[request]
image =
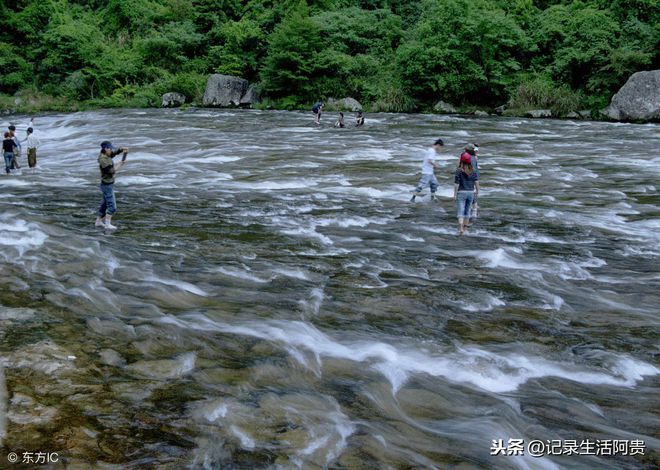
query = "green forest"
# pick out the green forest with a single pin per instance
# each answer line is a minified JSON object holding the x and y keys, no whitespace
{"x":396,"y":55}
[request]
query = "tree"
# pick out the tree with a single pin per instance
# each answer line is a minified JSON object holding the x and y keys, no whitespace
{"x":291,"y":63}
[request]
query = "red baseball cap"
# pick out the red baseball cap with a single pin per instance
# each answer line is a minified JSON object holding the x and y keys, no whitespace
{"x":466,"y":158}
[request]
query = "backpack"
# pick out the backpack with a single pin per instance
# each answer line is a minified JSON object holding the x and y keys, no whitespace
{"x":316,"y":107}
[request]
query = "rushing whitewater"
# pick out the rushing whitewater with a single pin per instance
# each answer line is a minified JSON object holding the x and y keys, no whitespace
{"x":271,"y":298}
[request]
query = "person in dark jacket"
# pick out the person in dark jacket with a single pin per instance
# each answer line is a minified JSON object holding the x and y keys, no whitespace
{"x":108,"y":169}
{"x":317,"y":109}
{"x":8,"y":149}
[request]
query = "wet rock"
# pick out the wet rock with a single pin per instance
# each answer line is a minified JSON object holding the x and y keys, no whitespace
{"x":224,"y":90}
{"x":573,"y":115}
{"x":133,"y":392}
{"x":500,"y":109}
{"x":638,"y":99}
{"x":16,"y":314}
{"x":344,"y":104}
{"x":480,"y":113}
{"x":173,"y":100}
{"x":44,"y":356}
{"x":165,"y":368}
{"x":444,"y":107}
{"x":539,"y":113}
{"x":111,"y":328}
{"x":24,"y":410}
{"x":585,"y":114}
{"x":110,"y":357}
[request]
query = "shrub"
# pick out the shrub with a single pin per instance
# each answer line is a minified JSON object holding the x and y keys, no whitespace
{"x":541,"y":92}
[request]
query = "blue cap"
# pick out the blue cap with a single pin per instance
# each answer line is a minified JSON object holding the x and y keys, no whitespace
{"x":106,"y":144}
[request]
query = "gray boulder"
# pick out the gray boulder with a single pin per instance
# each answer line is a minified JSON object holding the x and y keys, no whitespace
{"x":224,"y":90}
{"x":173,"y":100}
{"x":500,"y":109}
{"x":250,"y":97}
{"x":573,"y":115}
{"x":481,"y":113}
{"x":585,"y":114}
{"x":443,"y":107}
{"x":638,"y":99}
{"x":539,"y":113}
{"x":344,"y":104}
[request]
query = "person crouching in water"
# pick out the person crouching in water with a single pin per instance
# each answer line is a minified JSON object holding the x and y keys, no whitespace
{"x":340,"y":121}
{"x":108,"y":170}
{"x":359,"y":120}
{"x":466,"y":181}
{"x":428,"y":165}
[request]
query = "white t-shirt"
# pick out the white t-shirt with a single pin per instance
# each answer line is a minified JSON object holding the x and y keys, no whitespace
{"x":429,"y":159}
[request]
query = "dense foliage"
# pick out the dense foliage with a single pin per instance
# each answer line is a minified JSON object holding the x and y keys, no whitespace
{"x":391,"y":55}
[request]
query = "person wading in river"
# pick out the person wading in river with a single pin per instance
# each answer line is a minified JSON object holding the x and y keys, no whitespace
{"x":340,"y":121}
{"x":472,"y":151}
{"x":466,"y":181}
{"x":108,"y":206}
{"x":17,"y":151}
{"x":8,"y":149}
{"x":317,"y":110}
{"x":428,"y":165}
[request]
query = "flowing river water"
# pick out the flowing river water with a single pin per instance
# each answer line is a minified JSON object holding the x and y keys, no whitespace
{"x":271,"y":298}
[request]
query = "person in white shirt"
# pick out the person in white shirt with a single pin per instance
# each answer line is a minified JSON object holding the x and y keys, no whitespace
{"x":428,"y":165}
{"x":32,"y":144}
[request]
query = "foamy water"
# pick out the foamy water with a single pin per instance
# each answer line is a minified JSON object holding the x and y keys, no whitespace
{"x":272,"y":299}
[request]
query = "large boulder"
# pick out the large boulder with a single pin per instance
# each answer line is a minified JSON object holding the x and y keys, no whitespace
{"x":500,"y":109}
{"x":173,"y":100}
{"x":224,"y":90}
{"x":250,"y":97}
{"x":344,"y":104}
{"x":638,"y":99}
{"x":443,"y":107}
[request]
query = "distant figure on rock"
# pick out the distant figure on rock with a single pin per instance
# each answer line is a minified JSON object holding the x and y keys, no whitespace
{"x":317,"y":109}
{"x":340,"y":121}
{"x":428,"y":176}
{"x":359,"y":120}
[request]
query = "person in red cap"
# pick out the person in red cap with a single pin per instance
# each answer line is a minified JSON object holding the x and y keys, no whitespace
{"x":466,"y":189}
{"x":473,"y":151}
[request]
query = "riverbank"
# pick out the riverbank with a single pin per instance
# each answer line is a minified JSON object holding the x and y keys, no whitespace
{"x":36,"y":102}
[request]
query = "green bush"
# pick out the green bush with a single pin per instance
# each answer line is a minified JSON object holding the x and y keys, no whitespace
{"x":540,"y":92}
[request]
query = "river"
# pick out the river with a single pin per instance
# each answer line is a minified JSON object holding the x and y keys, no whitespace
{"x":272,"y":299}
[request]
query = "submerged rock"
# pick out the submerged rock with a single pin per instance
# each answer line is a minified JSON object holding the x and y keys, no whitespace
{"x":164,"y":368}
